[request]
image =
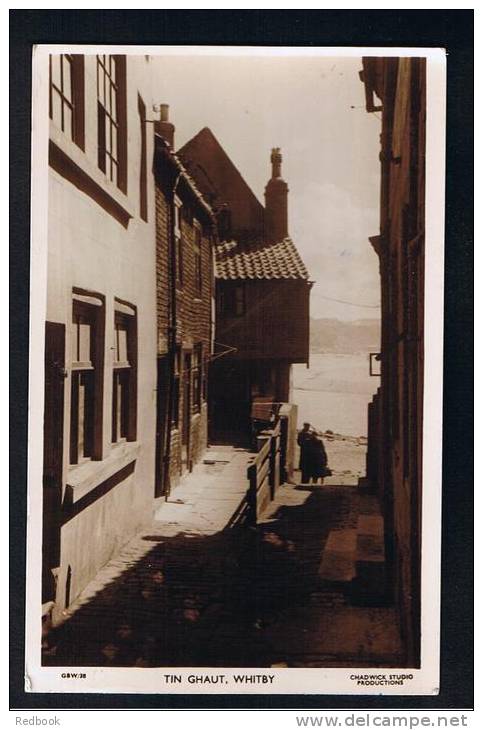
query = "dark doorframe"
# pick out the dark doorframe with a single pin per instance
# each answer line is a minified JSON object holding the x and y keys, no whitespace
{"x":186,"y":423}
{"x":162,"y":388}
{"x":55,"y":375}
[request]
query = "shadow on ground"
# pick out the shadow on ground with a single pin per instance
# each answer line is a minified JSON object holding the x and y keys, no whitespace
{"x":195,"y":600}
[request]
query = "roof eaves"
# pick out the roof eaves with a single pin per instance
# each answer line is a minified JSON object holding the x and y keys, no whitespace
{"x":183,"y":172}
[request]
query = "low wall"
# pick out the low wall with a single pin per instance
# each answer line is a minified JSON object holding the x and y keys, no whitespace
{"x":289,"y":413}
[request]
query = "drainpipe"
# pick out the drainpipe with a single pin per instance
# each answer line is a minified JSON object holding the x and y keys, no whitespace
{"x":171,"y":339}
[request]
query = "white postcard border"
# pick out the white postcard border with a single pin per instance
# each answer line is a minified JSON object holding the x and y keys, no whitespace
{"x":424,"y":681}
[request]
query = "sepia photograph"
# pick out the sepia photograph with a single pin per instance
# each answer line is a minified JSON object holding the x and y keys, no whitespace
{"x":236,"y":368}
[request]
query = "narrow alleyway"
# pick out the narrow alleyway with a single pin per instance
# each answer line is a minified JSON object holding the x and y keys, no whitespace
{"x":192,"y":591}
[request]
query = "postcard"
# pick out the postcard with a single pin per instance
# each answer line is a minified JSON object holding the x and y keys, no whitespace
{"x":235,"y":370}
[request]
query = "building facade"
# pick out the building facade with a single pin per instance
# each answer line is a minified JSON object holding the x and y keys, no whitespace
{"x":100,"y":338}
{"x":262,"y":292}
{"x":185,"y":234}
{"x":395,"y":87}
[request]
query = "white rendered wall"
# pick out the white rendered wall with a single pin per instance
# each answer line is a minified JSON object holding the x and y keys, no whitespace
{"x":89,"y":248}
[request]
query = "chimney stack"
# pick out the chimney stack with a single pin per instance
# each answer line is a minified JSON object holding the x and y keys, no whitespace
{"x":164,"y":126}
{"x":276,"y":201}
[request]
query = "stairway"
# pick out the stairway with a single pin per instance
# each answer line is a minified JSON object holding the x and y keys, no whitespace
{"x":355,"y":557}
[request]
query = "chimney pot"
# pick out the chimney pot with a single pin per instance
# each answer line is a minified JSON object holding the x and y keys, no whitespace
{"x":164,"y":127}
{"x":276,"y":160}
{"x":276,"y":201}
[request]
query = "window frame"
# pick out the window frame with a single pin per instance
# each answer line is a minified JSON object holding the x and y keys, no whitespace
{"x":231,"y":299}
{"x":112,"y":112}
{"x":124,"y":375}
{"x":176,"y":384}
{"x":178,"y":240}
{"x":197,"y":249}
{"x":74,"y":101}
{"x":197,"y":377}
{"x":92,"y":311}
{"x":143,"y":163}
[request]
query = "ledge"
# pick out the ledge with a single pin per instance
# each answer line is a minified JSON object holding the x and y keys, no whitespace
{"x":69,"y":161}
{"x":84,"y":478}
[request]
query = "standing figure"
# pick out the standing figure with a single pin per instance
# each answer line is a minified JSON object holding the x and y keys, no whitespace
{"x":317,"y":459}
{"x":303,"y":439}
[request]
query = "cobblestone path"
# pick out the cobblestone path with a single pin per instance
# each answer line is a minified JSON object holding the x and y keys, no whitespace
{"x":181,"y":594}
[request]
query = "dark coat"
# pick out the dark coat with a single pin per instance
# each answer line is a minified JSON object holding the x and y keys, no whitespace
{"x":303,"y":439}
{"x":317,"y":459}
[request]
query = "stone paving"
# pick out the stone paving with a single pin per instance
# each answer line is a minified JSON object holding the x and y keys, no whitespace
{"x":331,"y":620}
{"x":190,"y":591}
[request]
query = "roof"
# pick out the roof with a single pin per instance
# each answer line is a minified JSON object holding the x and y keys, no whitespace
{"x":235,"y":260}
{"x":184,"y":173}
{"x":222,"y":184}
{"x":205,"y":145}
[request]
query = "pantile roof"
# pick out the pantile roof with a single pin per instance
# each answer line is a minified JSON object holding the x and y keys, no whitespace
{"x":235,"y":260}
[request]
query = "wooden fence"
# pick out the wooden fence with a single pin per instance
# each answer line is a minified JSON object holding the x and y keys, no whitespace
{"x":264,"y":472}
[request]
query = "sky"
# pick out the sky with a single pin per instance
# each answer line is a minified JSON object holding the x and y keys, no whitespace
{"x":330,"y":155}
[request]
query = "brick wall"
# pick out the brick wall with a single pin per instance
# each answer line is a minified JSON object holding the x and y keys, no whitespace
{"x":193,"y":315}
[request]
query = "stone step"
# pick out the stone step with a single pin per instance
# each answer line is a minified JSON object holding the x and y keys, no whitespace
{"x":370,"y":586}
{"x":213,"y":457}
{"x":370,"y":538}
{"x":339,"y":556}
{"x":356,"y":557}
{"x":344,"y":634}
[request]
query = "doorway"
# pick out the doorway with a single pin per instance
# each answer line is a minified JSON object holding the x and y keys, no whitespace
{"x":161,"y":478}
{"x":55,"y":375}
{"x":186,"y":421}
{"x":230,"y":400}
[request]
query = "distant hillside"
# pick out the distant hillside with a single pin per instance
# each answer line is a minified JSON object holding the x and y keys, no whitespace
{"x":334,"y":335}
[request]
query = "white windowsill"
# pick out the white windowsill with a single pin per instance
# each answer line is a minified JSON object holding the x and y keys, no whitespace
{"x":81,"y":160}
{"x":82,"y":478}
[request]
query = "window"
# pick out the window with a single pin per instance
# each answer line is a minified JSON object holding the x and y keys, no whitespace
{"x":197,"y":253}
{"x":143,"y":166}
{"x":224,"y":222}
{"x":124,"y":384}
{"x":66,"y":95}
{"x":86,"y":381}
{"x":178,"y":243}
{"x":197,"y":368}
{"x":176,"y":386}
{"x":111,"y":118}
{"x":239,"y":303}
{"x":231,"y":300}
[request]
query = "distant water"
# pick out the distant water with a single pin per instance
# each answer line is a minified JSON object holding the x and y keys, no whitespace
{"x":334,"y":392}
